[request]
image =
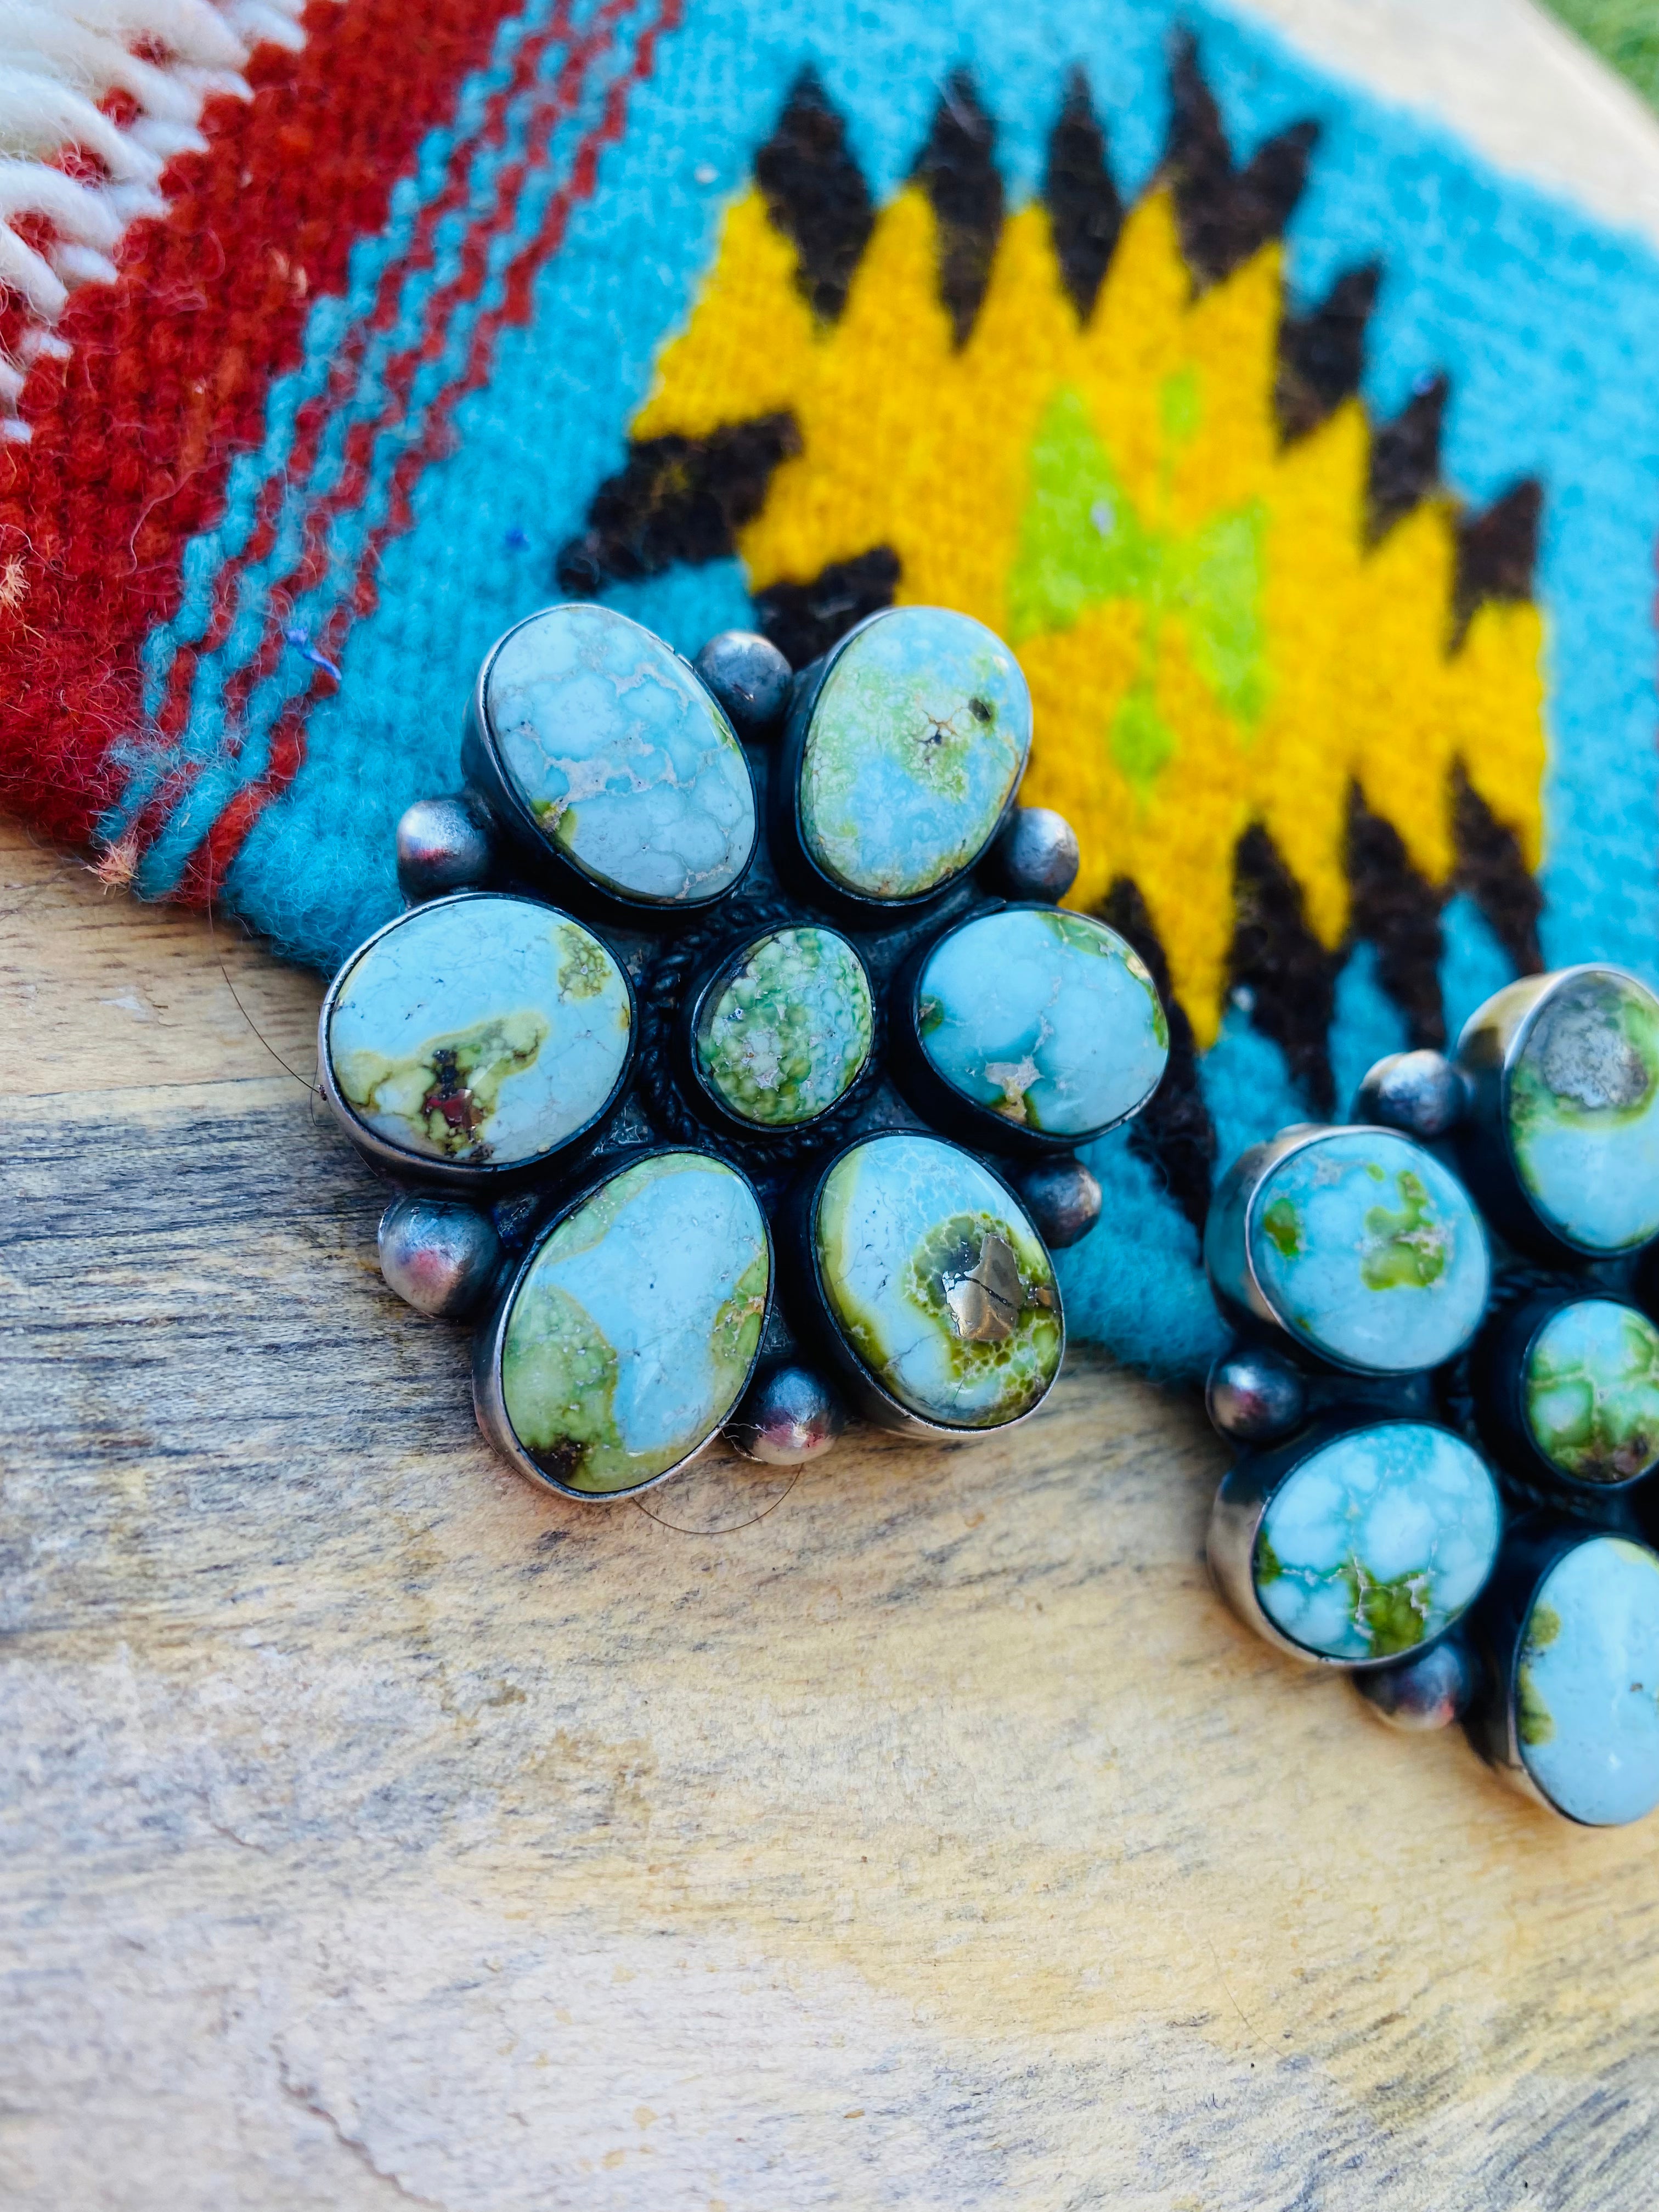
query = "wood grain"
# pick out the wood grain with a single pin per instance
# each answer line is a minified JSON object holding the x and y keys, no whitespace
{"x":377,"y":1830}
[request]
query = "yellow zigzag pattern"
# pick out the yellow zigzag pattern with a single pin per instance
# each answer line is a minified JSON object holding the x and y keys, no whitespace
{"x":909,"y":442}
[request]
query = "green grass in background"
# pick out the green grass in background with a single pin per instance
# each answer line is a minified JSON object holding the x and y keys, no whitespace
{"x":1623,"y":32}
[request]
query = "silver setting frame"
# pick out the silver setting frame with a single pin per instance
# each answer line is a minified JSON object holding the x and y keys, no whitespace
{"x":870,"y":1396}
{"x":1502,"y":1363}
{"x":1230,"y":1228}
{"x":488,"y":1399}
{"x":1488,"y":1050}
{"x":798,"y":724}
{"x":1246,"y":1492}
{"x":1500,"y":1620}
{"x":691,"y":1016}
{"x":419,"y":1168}
{"x":484,"y":768}
{"x":983,"y":1119}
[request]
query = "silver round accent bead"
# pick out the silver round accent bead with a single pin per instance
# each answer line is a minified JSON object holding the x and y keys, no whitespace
{"x":439,"y":1256}
{"x":749,"y":677}
{"x":787,"y":1417}
{"x":1420,"y":1092}
{"x":1253,"y":1396}
{"x":443,"y":845}
{"x":1063,"y":1199}
{"x":1429,"y":1692}
{"x":1036,"y":855}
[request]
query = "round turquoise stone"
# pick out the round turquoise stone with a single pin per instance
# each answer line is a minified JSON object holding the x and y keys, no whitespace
{"x":1049,"y":1019}
{"x":487,"y":1031}
{"x":785,"y":1029}
{"x":621,"y":756}
{"x":633,"y":1331}
{"x":1587,"y":1688}
{"x":1376,"y":1543}
{"x":1591,"y":1391}
{"x":1370,"y":1252}
{"x":1582,"y":1100}
{"x":917,"y":740}
{"x":938,"y":1281}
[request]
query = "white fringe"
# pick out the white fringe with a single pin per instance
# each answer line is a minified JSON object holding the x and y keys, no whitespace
{"x":58,"y":58}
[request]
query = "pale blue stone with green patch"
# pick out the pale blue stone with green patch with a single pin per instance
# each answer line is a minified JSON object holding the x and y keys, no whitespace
{"x":938,"y":1281}
{"x":633,"y":1331}
{"x":1582,"y":1102}
{"x":1376,"y":1541}
{"x":621,"y":755}
{"x":917,"y":740}
{"x":785,"y":1029}
{"x":485,"y":1030}
{"x":1587,"y":1687}
{"x":1369,"y":1251}
{"x":1049,"y":1019}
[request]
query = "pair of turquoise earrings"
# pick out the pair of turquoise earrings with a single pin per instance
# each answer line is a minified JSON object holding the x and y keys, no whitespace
{"x":731,"y":1059}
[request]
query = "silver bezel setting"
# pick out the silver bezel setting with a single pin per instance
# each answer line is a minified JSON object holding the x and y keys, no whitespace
{"x":727,"y":961}
{"x":797,"y":729}
{"x":1247,"y":1490}
{"x":1489,"y":1049}
{"x":995,"y":1126}
{"x":1229,"y":1237}
{"x":874,"y":1400}
{"x":489,"y":1397}
{"x":530,"y":832}
{"x":420,"y":1167}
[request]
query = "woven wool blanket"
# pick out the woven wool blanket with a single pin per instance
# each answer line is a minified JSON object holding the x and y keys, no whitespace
{"x":1304,"y":447}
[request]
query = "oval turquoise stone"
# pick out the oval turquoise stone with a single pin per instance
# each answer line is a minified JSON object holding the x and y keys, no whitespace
{"x":1049,"y":1019}
{"x":1587,"y":1686}
{"x":1376,"y":1543}
{"x":938,"y":1281}
{"x":622,"y":757}
{"x":633,"y":1331}
{"x":487,"y":1031}
{"x":1582,"y":1102}
{"x":785,"y":1029}
{"x":1591,"y":1391}
{"x":917,"y":740}
{"x":1369,"y":1251}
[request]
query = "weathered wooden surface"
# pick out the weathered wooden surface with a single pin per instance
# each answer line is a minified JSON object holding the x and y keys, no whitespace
{"x":377,"y":1830}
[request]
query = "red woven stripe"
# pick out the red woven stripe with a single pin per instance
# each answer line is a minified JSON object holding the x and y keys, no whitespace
{"x":317,"y":413}
{"x":169,"y":369}
{"x":206,"y":870}
{"x":352,"y":484}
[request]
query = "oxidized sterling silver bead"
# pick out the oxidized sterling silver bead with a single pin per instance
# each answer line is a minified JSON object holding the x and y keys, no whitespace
{"x":1568,"y":1707}
{"x":1418,"y":1695}
{"x":443,"y":845}
{"x":788,"y":1417}
{"x":1063,"y":1197}
{"x":1562,"y":1144}
{"x":1035,"y":856}
{"x":749,"y":677}
{"x":1354,"y":1545}
{"x":1254,"y":1396}
{"x":1420,"y":1092}
{"x":439,"y":1255}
